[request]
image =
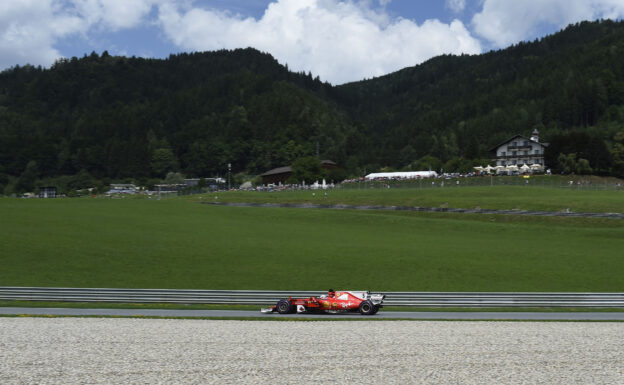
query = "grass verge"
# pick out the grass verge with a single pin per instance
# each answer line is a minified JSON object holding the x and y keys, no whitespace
{"x":181,"y":245}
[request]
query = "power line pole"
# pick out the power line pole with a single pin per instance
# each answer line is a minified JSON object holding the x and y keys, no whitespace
{"x":229,"y":172}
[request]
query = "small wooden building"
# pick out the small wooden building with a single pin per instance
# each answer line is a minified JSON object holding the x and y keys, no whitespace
{"x":281,"y":174}
{"x":276,"y":175}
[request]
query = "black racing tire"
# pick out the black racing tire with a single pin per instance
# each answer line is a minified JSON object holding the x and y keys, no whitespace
{"x":366,"y":308}
{"x":284,"y":306}
{"x":376,"y":309}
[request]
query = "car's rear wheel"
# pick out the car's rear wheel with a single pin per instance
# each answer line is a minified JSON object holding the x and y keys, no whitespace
{"x":367,"y":308}
{"x":284,"y":306}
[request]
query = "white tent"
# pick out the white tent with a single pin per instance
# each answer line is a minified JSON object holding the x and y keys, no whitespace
{"x":402,"y":175}
{"x":489,"y":168}
{"x":500,"y":169}
{"x":537,"y":167}
{"x":525,"y":168}
{"x":478,"y":168}
{"x":512,"y":167}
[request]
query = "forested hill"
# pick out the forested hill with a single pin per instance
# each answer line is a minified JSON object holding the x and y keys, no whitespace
{"x":122,"y":117}
{"x":463,"y":105}
{"x":107,"y":117}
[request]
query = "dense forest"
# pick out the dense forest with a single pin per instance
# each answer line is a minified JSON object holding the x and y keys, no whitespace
{"x":91,"y":120}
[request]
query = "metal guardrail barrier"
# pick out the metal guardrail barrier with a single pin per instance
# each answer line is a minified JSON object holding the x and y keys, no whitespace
{"x":414,"y":299}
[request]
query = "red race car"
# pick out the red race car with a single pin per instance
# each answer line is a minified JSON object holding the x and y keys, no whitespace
{"x":334,"y":302}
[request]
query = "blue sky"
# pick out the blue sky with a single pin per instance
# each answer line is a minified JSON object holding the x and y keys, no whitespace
{"x":338,"y":40}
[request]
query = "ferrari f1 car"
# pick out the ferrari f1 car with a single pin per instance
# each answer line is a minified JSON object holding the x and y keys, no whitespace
{"x":334,"y":302}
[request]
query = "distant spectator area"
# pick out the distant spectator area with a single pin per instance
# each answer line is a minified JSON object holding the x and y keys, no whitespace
{"x":402,"y":175}
{"x":122,"y":188}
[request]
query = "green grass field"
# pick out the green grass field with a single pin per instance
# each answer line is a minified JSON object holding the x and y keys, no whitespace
{"x":486,"y":197}
{"x":178,"y":243}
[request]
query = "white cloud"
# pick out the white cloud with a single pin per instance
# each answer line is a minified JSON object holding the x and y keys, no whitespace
{"x":30,"y":29}
{"x":113,"y":14}
{"x":456,"y":6}
{"x":338,"y":40}
{"x":504,"y":22}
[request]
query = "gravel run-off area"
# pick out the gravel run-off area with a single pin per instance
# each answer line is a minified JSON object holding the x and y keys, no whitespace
{"x":169,"y":351}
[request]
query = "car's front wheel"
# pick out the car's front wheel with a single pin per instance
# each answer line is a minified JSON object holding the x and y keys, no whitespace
{"x":367,"y":308}
{"x":284,"y":306}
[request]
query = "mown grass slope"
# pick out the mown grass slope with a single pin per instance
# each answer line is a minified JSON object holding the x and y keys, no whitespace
{"x":175,"y":243}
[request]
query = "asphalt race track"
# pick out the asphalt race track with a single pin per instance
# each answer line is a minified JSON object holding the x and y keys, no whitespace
{"x":511,"y":316}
